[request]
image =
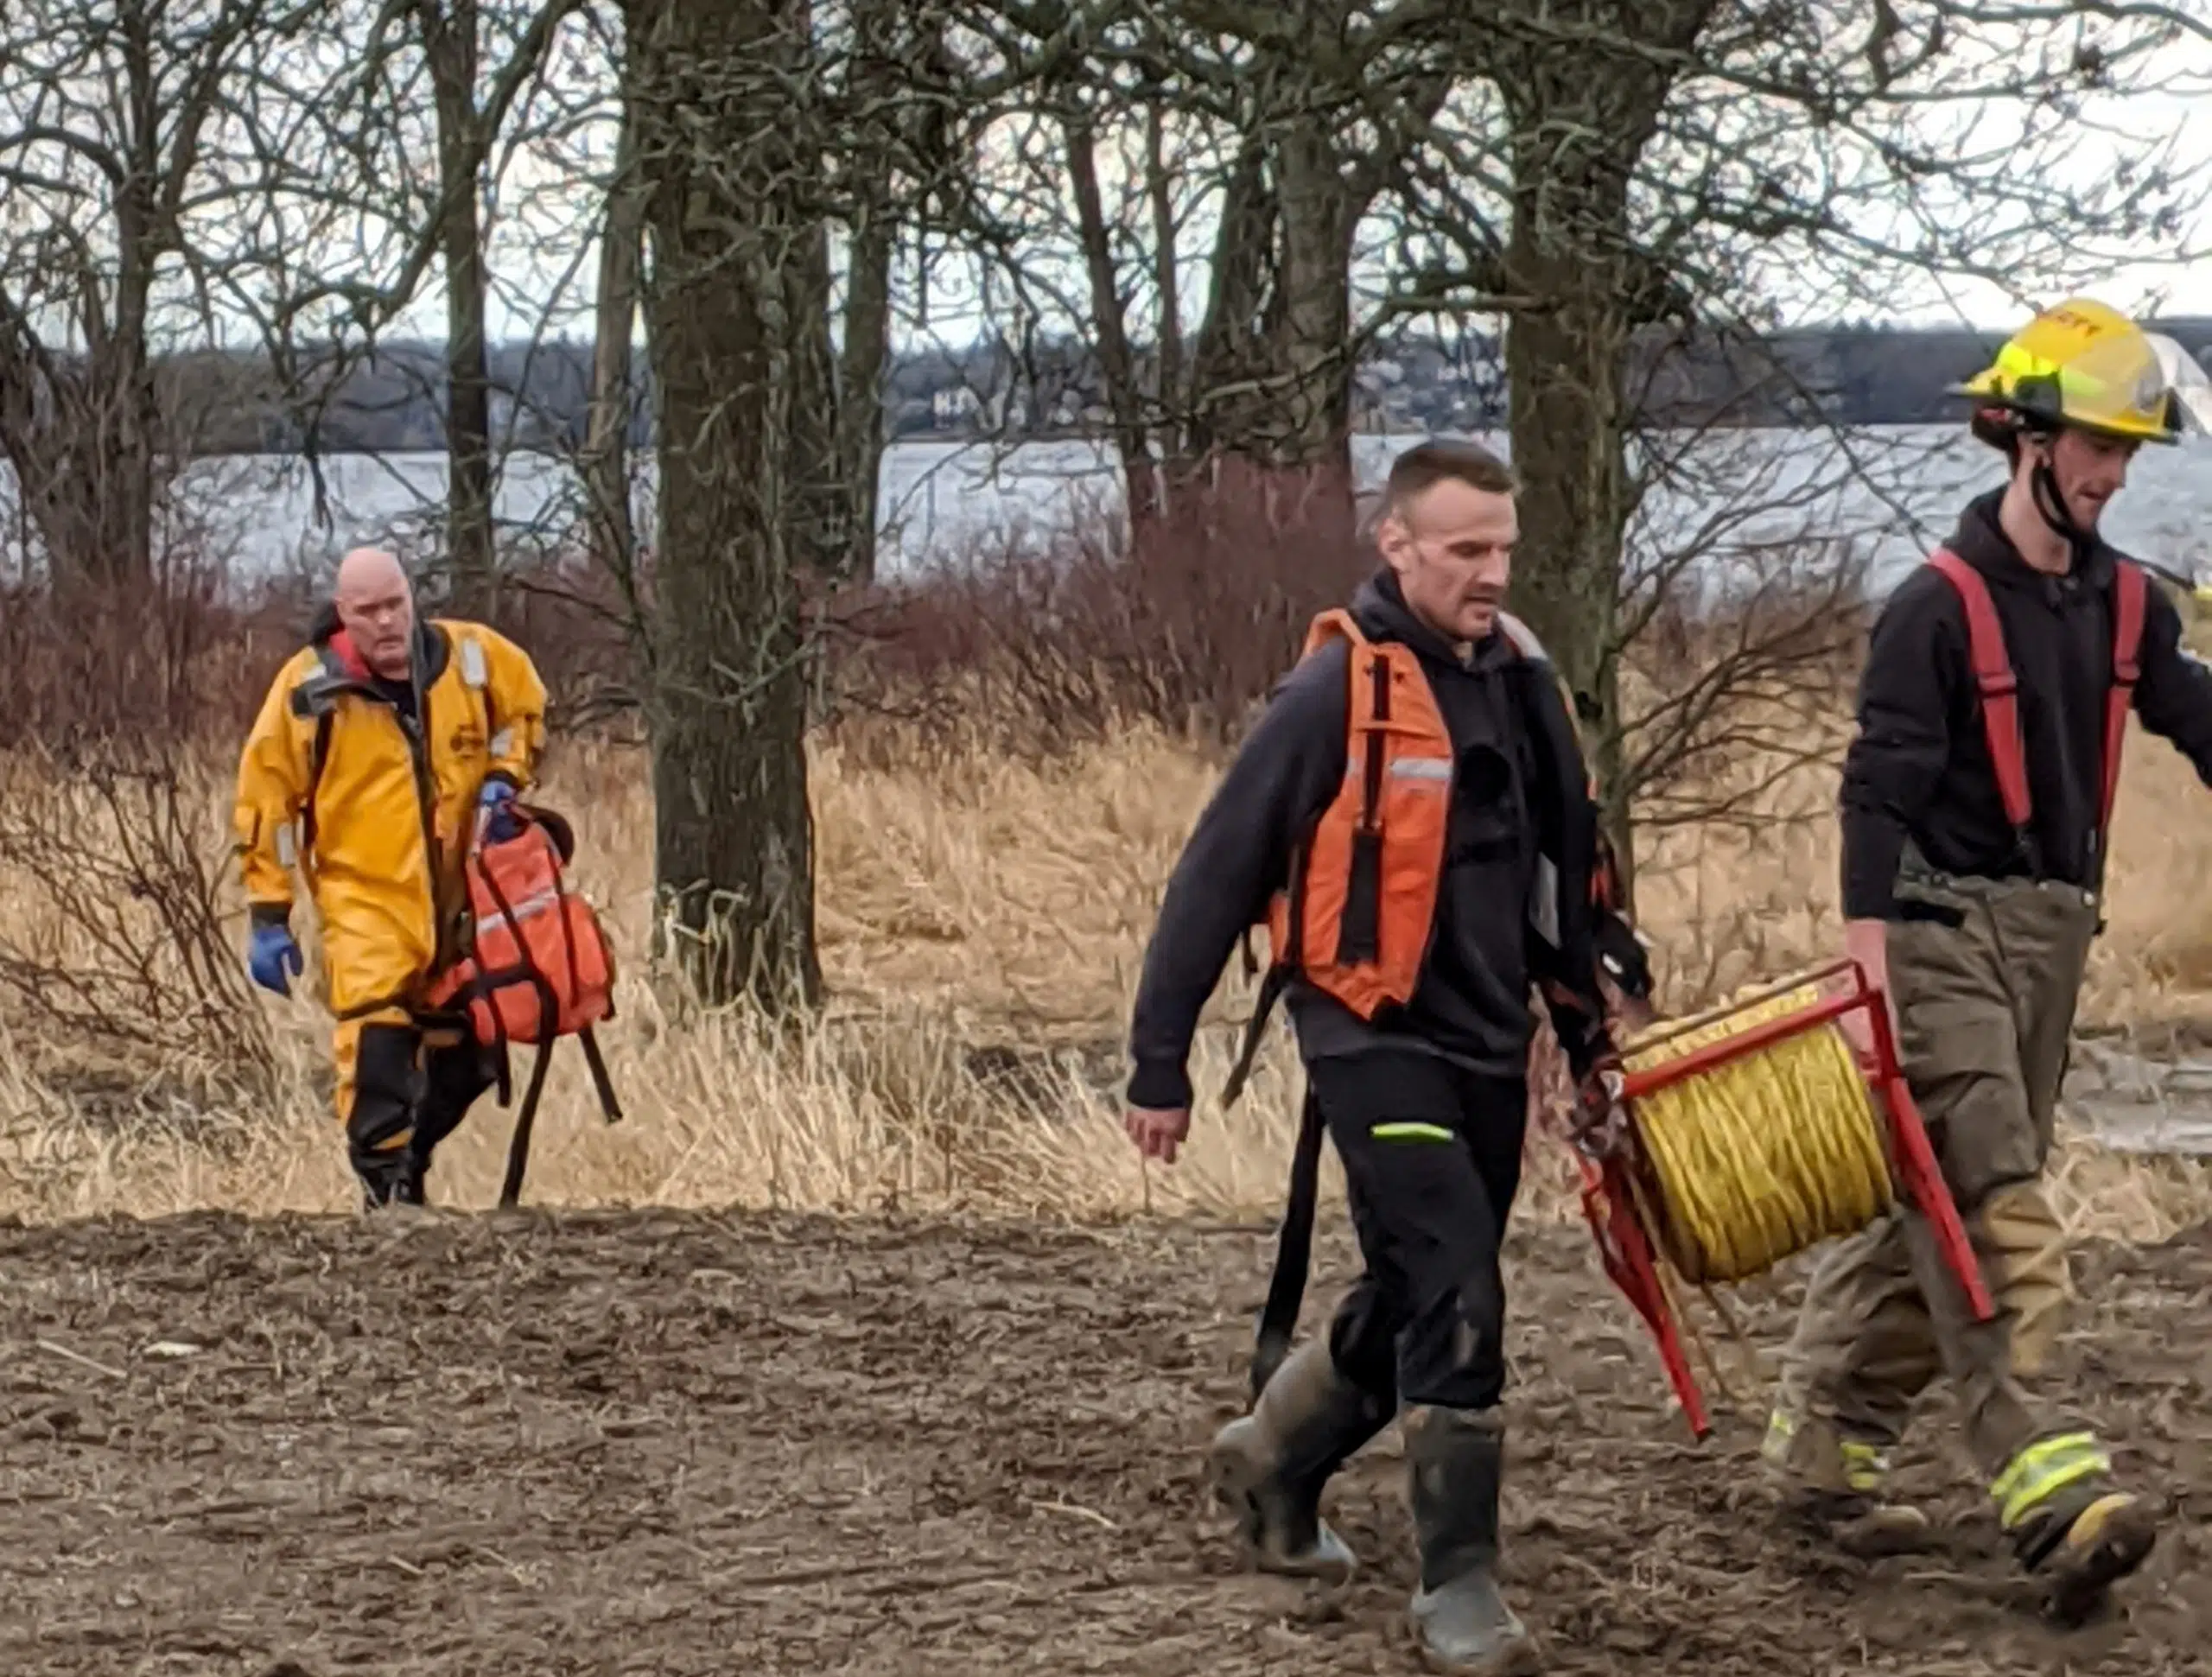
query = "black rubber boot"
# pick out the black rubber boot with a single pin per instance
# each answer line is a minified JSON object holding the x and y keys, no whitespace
{"x":1833,"y":1490}
{"x":456,"y":1073}
{"x":2082,"y":1542}
{"x":1269,"y":1467}
{"x":392,"y":1176}
{"x":380,"y":1128}
{"x":1856,"y":1522}
{"x":1455,"y":1462}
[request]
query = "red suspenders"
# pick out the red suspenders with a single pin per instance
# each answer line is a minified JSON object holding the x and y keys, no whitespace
{"x":2000,"y":688}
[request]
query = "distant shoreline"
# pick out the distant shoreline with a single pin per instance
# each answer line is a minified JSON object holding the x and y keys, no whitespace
{"x":228,"y":402}
{"x":1008,"y":441}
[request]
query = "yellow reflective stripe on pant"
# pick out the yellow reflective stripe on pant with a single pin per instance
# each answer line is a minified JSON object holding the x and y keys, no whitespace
{"x":1412,"y":1132}
{"x":1856,"y":1465}
{"x":2044,"y":1469}
{"x":1864,"y":1466}
{"x":1780,"y":1428}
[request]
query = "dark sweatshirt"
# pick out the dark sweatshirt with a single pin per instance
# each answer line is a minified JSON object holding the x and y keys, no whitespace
{"x":1471,"y":1004}
{"x":1920,"y":767}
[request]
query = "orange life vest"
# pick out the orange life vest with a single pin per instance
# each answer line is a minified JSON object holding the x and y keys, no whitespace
{"x":538,"y":965}
{"x":1355,"y":918}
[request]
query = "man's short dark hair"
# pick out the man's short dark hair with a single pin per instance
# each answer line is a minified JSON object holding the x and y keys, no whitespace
{"x":1445,"y":460}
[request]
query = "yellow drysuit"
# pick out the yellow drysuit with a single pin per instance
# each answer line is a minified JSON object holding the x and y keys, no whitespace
{"x":380,"y":832}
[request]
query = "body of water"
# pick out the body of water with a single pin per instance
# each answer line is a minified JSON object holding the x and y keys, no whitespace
{"x":1730,"y":503}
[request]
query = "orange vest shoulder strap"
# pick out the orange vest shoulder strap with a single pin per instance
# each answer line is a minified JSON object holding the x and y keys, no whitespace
{"x":1336,"y":623}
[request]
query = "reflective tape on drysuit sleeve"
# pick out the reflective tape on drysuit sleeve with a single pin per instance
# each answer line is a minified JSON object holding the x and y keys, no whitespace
{"x":1411,"y":1132}
{"x":2042,"y":1470}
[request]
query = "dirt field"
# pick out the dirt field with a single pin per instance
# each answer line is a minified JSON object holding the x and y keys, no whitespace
{"x":677,"y":1444}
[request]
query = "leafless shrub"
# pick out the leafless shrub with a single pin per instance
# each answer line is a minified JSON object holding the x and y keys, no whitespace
{"x":1038,"y":646}
{"x":120,"y":941}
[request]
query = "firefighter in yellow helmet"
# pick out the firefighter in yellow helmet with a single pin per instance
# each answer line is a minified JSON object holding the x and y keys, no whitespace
{"x":2079,"y":368}
{"x":380,"y":748}
{"x":1974,"y":805}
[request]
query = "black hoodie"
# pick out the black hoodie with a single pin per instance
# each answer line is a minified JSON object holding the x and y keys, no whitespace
{"x":1514,"y":745}
{"x":1920,"y":767}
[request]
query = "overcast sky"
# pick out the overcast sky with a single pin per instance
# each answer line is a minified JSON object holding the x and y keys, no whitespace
{"x":542,"y":249}
{"x":536,"y":264}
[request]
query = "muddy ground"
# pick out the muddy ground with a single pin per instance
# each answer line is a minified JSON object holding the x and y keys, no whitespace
{"x":664,"y":1443}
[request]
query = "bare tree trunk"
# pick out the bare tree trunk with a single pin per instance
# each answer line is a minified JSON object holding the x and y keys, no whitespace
{"x":1312,"y":338}
{"x":866,"y":353}
{"x":87,"y":443}
{"x":1564,"y":368}
{"x":90,"y":466}
{"x":1580,"y":120}
{"x":124,"y":415}
{"x":1159,"y":188}
{"x":1270,"y":369}
{"x":1117,"y":364}
{"x":884,"y":36}
{"x":825,"y":513}
{"x":1225,"y":356}
{"x":605,"y":464}
{"x":727,"y":298}
{"x":449,"y":40}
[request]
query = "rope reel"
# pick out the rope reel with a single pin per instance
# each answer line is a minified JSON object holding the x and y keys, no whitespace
{"x":1753,"y":1133}
{"x":1759,"y":1156}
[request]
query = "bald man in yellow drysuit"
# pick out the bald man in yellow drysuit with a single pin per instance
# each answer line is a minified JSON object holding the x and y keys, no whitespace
{"x":381,"y":747}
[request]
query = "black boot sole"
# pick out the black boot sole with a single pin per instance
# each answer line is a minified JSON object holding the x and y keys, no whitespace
{"x":2079,"y":1584}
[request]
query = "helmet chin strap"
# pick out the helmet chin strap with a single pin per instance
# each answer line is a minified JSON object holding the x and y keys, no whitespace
{"x":2042,"y":485}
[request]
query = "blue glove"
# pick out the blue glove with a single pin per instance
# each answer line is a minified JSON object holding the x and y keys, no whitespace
{"x":271,"y":952}
{"x":492,"y":804}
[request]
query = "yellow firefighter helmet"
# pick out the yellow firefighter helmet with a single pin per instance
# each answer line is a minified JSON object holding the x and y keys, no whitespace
{"x":2081,"y":364}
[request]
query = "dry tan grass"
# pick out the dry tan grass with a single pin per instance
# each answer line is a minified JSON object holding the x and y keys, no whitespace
{"x":981,"y":922}
{"x":1730,"y":906}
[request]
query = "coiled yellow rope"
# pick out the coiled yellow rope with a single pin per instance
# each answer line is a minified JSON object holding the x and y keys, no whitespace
{"x":1762,"y":1156}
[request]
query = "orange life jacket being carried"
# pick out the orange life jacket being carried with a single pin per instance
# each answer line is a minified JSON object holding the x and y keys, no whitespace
{"x":538,"y":965}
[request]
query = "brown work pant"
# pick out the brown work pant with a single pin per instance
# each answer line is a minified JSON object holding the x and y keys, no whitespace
{"x":1986,"y":977}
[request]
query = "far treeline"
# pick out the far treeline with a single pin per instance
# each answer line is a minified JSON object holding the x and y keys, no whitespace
{"x":393,"y":400}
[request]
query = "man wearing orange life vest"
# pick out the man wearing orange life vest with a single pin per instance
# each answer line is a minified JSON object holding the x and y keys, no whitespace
{"x":380,"y":745}
{"x":1411,"y":817}
{"x":1974,"y":814}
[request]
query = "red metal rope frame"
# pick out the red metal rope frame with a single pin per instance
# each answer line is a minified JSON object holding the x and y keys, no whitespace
{"x":1626,"y":1246}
